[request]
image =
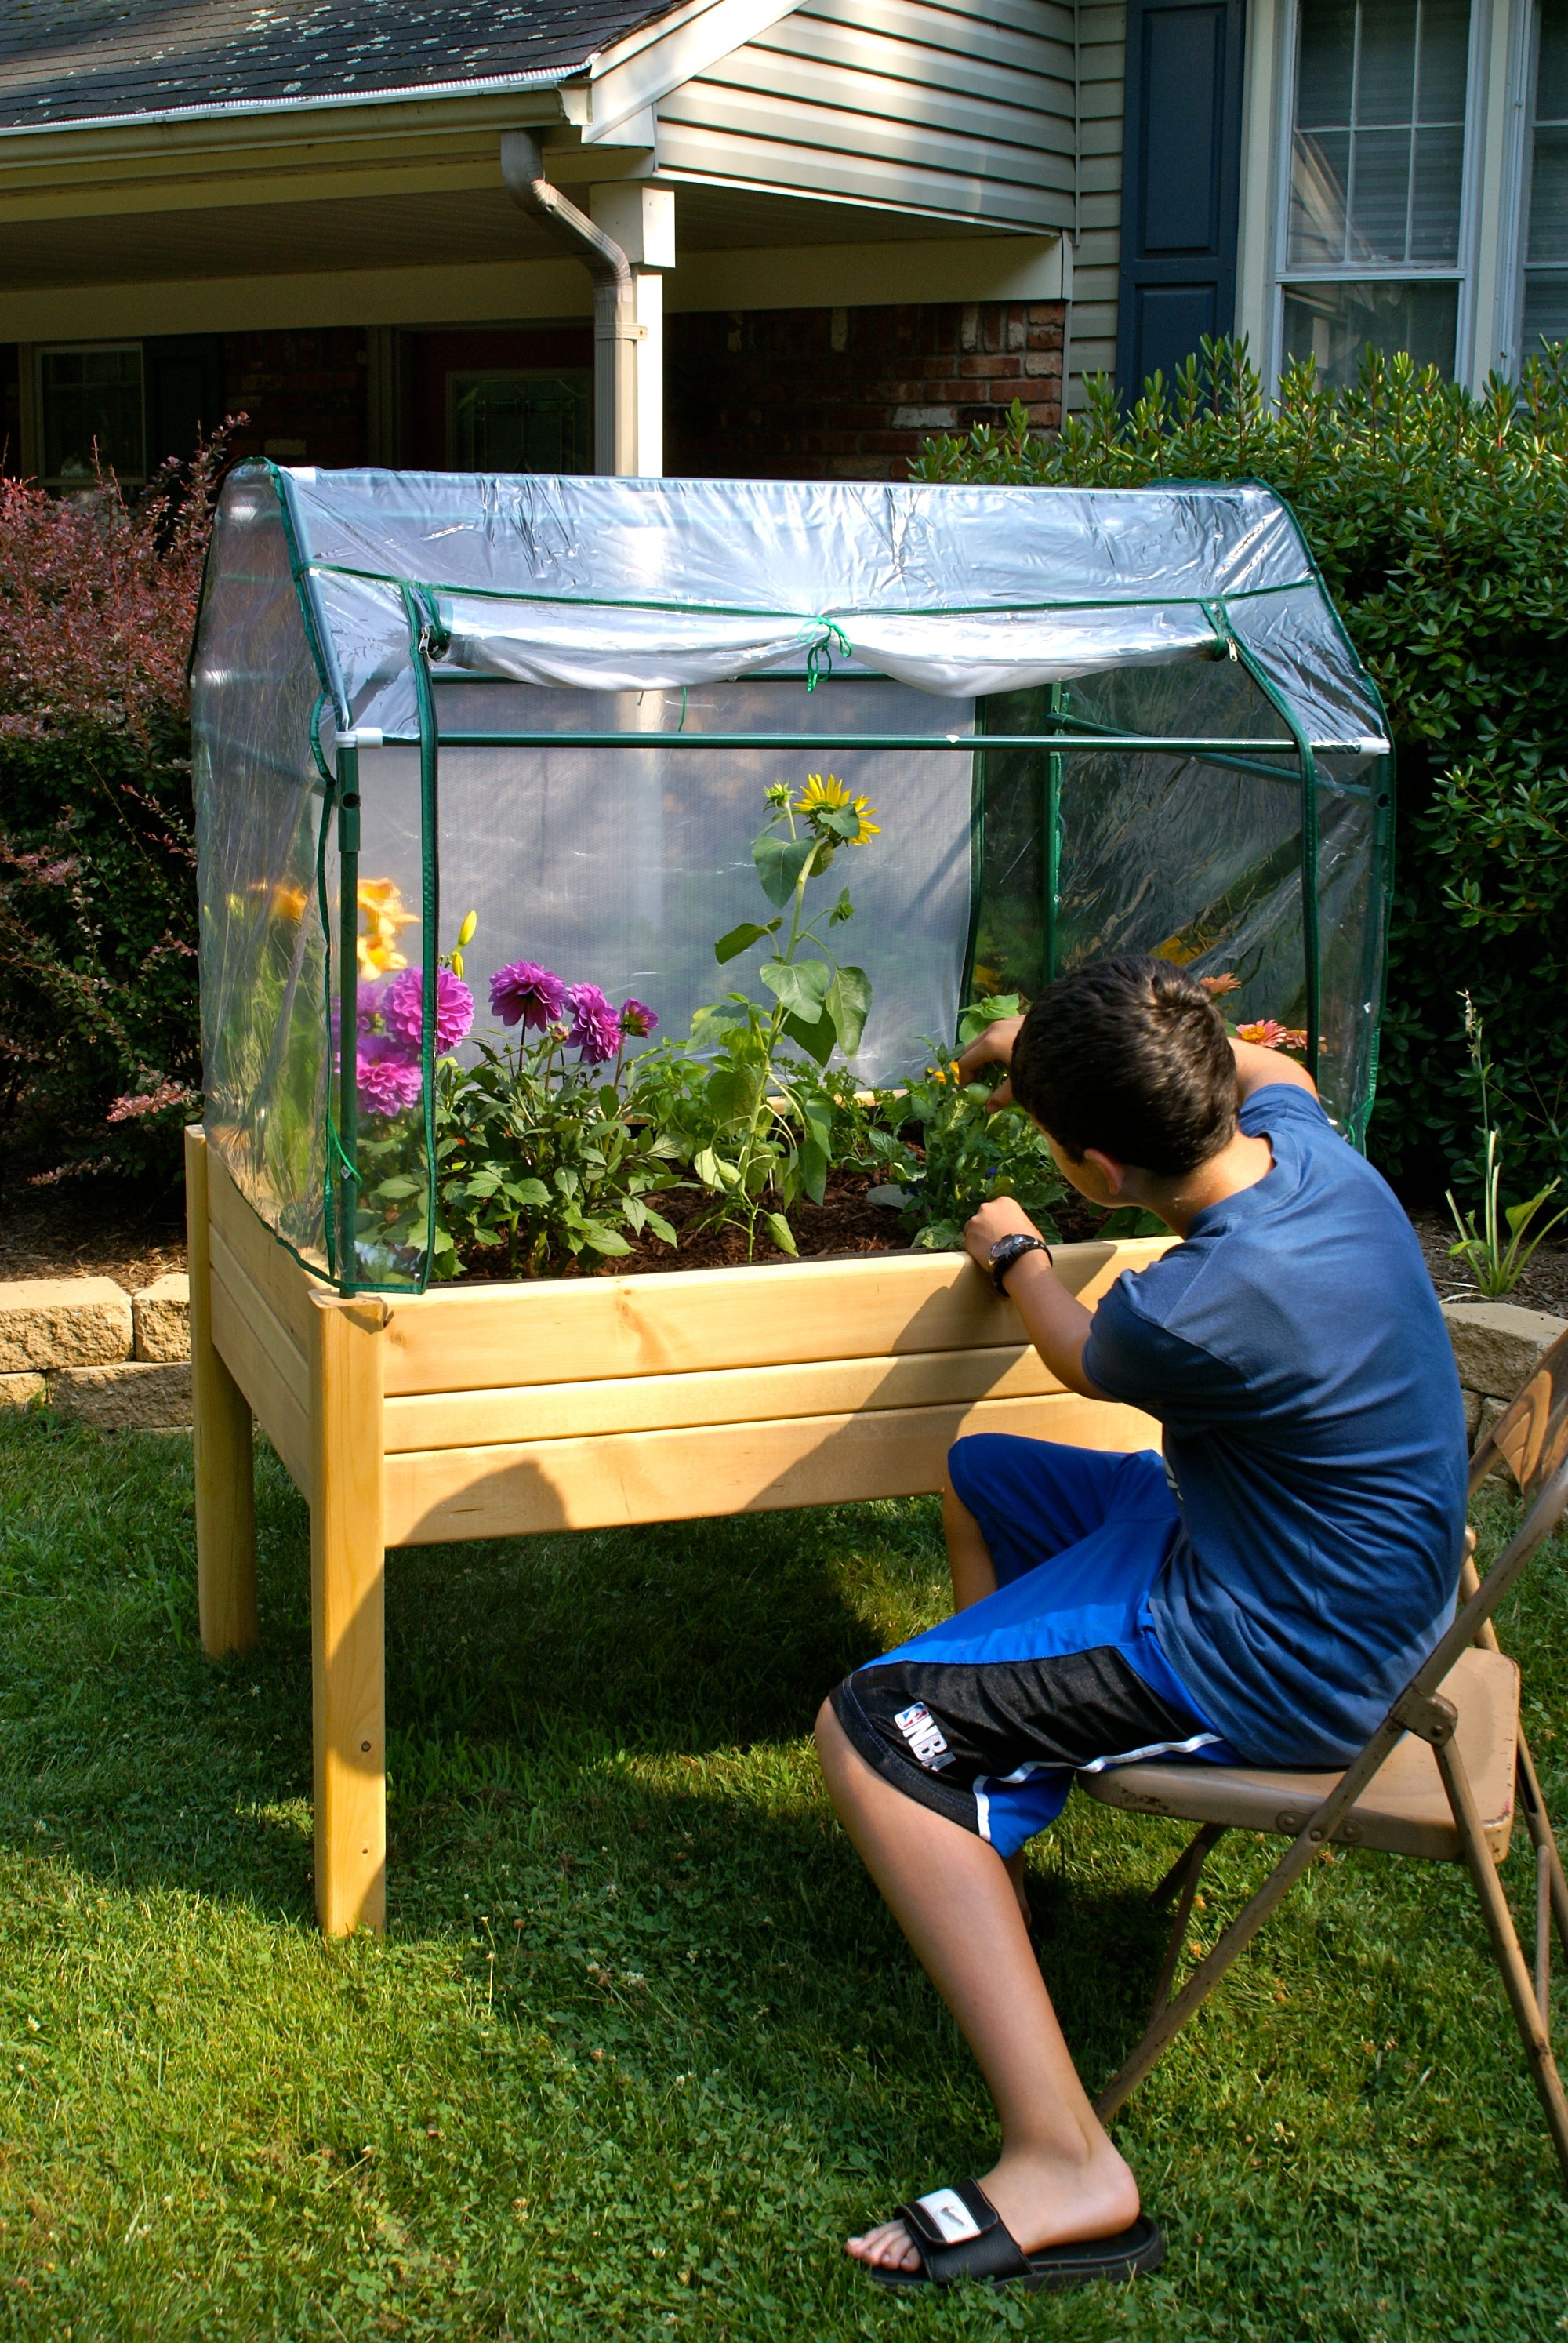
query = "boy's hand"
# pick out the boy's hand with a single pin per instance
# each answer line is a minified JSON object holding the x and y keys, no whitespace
{"x":1004,"y":1216}
{"x":992,"y":1048}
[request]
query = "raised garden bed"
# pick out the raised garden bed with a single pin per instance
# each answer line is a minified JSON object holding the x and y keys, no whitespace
{"x":494,"y":1410}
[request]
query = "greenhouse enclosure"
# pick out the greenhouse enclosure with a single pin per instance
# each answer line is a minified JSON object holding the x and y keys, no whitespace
{"x":1088,"y":721}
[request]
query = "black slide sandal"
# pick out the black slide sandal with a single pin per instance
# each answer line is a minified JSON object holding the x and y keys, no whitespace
{"x":957,"y":2234}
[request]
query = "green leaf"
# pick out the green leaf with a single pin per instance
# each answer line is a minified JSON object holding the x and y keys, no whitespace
{"x":780,"y":863}
{"x":742,"y":938}
{"x":783,"y":1235}
{"x":817,"y":1040}
{"x":814,"y":1170}
{"x":732,"y":1092}
{"x":604,"y":1240}
{"x":801,"y":986}
{"x":532,"y":1191}
{"x":660,"y":1226}
{"x":848,"y":1001}
{"x":843,"y":910}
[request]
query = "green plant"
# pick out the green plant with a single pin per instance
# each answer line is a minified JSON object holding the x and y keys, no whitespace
{"x":1495,"y":1266}
{"x":964,"y":1155}
{"x":756,"y":1126}
{"x":99,"y":1040}
{"x":1438,"y":518}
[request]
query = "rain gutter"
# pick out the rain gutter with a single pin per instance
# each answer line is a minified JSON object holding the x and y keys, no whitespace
{"x":614,"y":326}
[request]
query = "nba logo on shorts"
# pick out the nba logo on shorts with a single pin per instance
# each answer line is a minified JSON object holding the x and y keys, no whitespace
{"x":924,"y":1735}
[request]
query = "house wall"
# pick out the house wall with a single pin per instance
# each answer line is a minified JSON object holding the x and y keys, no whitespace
{"x":850,"y":394}
{"x":1097,"y":260}
{"x":961,"y":109}
{"x":305,"y":394}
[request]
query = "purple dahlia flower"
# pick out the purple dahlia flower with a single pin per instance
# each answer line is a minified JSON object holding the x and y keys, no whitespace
{"x":637,"y":1019}
{"x":388,"y":1079}
{"x":403,"y":1009}
{"x":596,"y":1033}
{"x":523,"y":993}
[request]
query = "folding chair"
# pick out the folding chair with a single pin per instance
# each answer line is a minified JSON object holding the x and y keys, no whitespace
{"x":1438,"y":1778}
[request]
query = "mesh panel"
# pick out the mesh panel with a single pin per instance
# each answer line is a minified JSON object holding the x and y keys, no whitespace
{"x":259,"y":817}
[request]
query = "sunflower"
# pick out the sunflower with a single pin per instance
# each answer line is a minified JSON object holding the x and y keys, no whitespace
{"x":825,"y":797}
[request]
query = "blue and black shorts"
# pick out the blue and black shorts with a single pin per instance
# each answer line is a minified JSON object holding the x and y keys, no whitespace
{"x":987,"y":1719}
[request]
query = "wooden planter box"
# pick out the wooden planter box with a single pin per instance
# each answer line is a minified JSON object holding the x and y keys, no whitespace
{"x":488,"y":1411}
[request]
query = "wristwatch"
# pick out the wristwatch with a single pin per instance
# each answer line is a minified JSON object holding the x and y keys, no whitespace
{"x":1007,"y":1250}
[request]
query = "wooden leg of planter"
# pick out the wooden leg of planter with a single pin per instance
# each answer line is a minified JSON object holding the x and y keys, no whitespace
{"x":225,"y":1466}
{"x":347,"y":1560}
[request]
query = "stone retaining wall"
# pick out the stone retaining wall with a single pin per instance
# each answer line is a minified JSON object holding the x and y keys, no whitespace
{"x":90,"y":1350}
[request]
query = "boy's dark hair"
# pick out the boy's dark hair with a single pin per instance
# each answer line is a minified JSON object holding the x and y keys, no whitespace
{"x":1131,"y":1056}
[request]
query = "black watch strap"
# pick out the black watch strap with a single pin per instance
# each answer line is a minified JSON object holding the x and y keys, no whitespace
{"x":1011,"y":1249}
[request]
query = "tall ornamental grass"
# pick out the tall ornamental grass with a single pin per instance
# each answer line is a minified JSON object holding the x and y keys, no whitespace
{"x":1439,"y":521}
{"x":99,"y":1048}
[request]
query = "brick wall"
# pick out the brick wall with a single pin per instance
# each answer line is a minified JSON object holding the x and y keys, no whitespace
{"x":306,"y":394}
{"x":850,"y":394}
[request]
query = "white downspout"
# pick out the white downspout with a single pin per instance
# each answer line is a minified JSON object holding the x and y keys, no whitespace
{"x":617,"y":332}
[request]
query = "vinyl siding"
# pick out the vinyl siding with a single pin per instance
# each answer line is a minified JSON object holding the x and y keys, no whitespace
{"x":961,"y":111}
{"x":1097,"y":260}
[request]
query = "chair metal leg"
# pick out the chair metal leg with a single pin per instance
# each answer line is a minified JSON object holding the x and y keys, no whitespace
{"x":1538,"y":1823}
{"x":1163,"y":2029}
{"x":1184,"y":1872}
{"x":1544,"y":1936}
{"x":1500,"y":1926}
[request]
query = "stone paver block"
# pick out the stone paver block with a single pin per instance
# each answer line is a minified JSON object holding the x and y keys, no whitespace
{"x":16,"y":1391}
{"x":63,"y":1322}
{"x":163,"y":1318}
{"x":150,"y":1398}
{"x":1497,"y":1344}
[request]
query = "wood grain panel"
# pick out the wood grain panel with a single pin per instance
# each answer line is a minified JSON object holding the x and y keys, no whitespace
{"x":528,"y":1411}
{"x":347,"y":1573}
{"x":270,"y":1267}
{"x":708,"y":1469}
{"x":265,"y":1361}
{"x":689,"y":1322}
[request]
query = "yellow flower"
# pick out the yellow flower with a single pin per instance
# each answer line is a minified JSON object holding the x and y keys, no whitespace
{"x":831,"y":795}
{"x":381,"y":904}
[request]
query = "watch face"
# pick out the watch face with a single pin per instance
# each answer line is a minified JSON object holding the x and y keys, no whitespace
{"x":1002,"y":1244}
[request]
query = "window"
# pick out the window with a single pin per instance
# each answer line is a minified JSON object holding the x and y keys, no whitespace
{"x":520,"y":420}
{"x":1374,"y":233}
{"x":91,"y":396}
{"x":1545,"y":301}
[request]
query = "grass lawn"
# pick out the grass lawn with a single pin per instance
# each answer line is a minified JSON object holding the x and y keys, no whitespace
{"x":642,"y":2045}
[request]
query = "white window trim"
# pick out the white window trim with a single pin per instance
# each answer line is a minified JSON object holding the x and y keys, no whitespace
{"x":1496,"y":132}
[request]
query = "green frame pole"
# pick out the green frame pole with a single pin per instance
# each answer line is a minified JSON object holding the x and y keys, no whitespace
{"x":1050,"y":847}
{"x":345,"y":1169}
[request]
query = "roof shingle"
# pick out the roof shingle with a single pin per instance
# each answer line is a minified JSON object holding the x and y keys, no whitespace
{"x":63,"y":61}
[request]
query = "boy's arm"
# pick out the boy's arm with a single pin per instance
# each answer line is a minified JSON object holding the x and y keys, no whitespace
{"x":1056,"y":1322}
{"x":1256,"y":1068}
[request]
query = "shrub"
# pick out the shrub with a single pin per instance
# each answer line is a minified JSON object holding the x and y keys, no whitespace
{"x":99,"y":1042}
{"x":1439,"y":521}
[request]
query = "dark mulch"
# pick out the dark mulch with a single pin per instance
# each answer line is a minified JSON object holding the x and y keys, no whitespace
{"x":90,"y":1231}
{"x":1544,"y":1286}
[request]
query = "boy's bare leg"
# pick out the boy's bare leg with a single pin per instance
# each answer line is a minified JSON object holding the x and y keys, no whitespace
{"x":974,"y":1577}
{"x":1059,"y":2177}
{"x":969,"y":1557}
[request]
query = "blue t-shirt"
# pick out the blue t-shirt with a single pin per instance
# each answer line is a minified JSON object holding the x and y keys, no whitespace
{"x":1293,"y":1350}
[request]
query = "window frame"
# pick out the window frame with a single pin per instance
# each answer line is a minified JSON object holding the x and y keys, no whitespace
{"x":1463,"y":271}
{"x":57,"y":483}
{"x":1525,"y":64}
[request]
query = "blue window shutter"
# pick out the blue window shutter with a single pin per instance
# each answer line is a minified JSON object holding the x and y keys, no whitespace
{"x":1180,"y":183}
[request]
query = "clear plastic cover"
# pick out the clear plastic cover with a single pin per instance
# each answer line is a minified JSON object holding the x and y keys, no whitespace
{"x":885,"y":630}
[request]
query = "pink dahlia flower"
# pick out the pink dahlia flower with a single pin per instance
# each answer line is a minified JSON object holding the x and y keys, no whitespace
{"x":595,"y":1032}
{"x":389,"y":1079}
{"x":523,"y":992}
{"x":637,"y":1019}
{"x":403,"y":1009}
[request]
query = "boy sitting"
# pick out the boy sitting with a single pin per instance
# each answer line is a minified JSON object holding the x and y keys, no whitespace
{"x":1260,"y":1596}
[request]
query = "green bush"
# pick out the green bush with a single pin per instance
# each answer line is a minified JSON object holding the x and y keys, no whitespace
{"x":1439,"y":521}
{"x":100,"y":1054}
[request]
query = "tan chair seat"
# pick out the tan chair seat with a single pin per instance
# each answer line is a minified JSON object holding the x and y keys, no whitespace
{"x":1404,"y":1810}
